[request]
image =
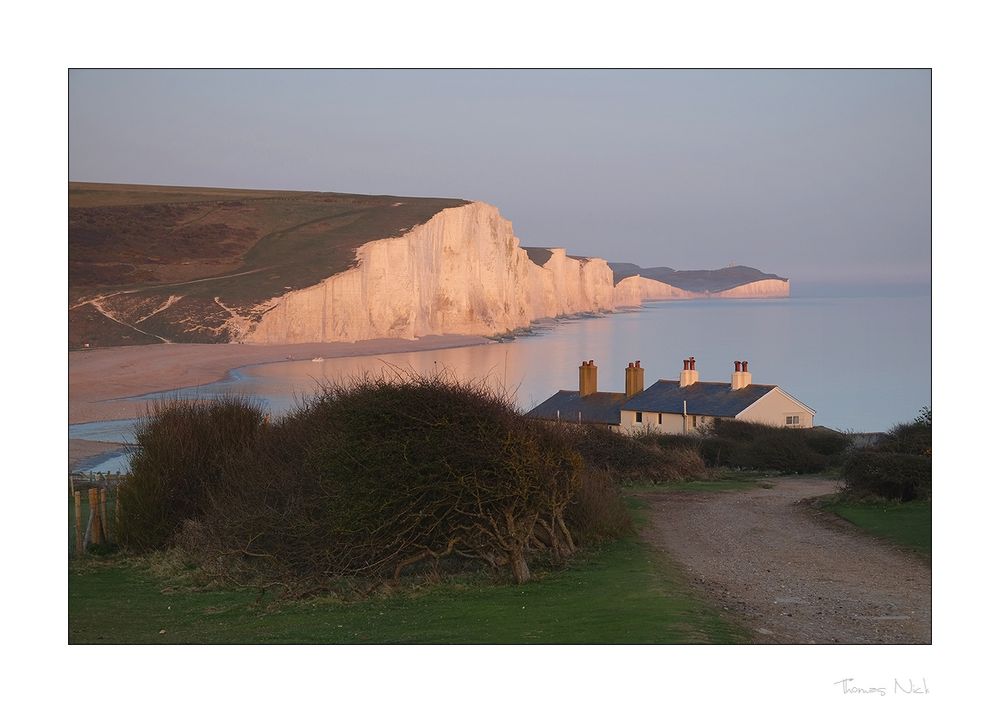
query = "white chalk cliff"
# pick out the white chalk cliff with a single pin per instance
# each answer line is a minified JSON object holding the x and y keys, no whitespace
{"x":759,"y":288}
{"x":461,"y":272}
{"x":633,"y":291}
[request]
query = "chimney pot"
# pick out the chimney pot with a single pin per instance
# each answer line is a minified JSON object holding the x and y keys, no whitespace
{"x":588,"y":378}
{"x":745,"y":366}
{"x":736,"y":366}
{"x":689,"y":376}
{"x":633,"y":379}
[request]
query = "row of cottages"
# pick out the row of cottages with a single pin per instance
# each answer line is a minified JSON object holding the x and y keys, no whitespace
{"x":674,"y":406}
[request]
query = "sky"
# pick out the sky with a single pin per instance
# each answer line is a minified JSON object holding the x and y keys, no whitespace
{"x":822,"y":176}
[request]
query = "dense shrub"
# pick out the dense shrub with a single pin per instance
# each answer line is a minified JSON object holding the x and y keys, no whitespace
{"x":911,"y":438}
{"x":597,"y":512}
{"x":893,"y":476}
{"x":183,"y":450}
{"x":373,"y":476}
{"x":897,"y":468}
{"x":829,"y":443}
{"x":631,"y":457}
{"x":785,"y":451}
{"x":756,"y":446}
{"x":674,"y":442}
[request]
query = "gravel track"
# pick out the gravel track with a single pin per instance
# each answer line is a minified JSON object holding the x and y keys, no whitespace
{"x":791,"y":573}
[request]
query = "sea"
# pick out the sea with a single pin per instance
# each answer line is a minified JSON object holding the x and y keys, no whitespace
{"x":862,"y":362}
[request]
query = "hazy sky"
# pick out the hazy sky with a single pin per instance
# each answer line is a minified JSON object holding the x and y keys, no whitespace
{"x":821,"y":176}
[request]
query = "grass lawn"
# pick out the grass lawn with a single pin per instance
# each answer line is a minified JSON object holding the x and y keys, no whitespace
{"x":624,"y":592}
{"x":907,"y":524}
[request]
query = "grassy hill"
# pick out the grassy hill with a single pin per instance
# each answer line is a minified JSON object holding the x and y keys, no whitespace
{"x":131,"y":248}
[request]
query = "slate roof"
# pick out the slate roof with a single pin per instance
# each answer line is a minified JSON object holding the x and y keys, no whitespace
{"x":704,"y":398}
{"x":599,"y":407}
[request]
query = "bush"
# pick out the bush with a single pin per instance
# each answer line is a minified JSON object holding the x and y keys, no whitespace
{"x":674,"y":442}
{"x":183,"y":450}
{"x":892,"y":476}
{"x":597,"y":512}
{"x":826,"y":442}
{"x":910,"y":438}
{"x":756,"y":446}
{"x":784,"y":451}
{"x":632,"y":457}
{"x":376,"y":475}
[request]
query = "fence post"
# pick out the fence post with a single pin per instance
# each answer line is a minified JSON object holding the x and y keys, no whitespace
{"x":78,"y":523}
{"x":95,"y":520}
{"x":104,"y":514}
{"x":118,"y":508}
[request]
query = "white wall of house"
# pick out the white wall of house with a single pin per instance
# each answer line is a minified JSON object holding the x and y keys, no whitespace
{"x":661,"y":422}
{"x":777,"y":408}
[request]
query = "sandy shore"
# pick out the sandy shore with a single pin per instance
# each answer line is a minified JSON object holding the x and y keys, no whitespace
{"x":100,"y":375}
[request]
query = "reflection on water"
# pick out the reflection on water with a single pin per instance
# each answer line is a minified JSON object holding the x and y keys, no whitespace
{"x":863,"y":363}
{"x":120,"y":431}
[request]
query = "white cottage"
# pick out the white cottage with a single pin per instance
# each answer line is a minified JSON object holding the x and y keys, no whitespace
{"x":675,"y":406}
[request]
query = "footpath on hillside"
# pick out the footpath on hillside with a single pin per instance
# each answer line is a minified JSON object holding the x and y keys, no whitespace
{"x":794,"y":575}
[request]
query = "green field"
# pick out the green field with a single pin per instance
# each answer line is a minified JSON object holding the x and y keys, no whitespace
{"x":622,"y":593}
{"x":907,"y":524}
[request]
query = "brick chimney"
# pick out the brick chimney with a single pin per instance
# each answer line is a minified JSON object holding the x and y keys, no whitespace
{"x":588,"y":378}
{"x":689,"y":376}
{"x":741,"y":375}
{"x":634,"y":378}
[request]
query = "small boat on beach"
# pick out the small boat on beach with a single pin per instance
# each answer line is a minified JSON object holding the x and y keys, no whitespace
{"x":318,"y":359}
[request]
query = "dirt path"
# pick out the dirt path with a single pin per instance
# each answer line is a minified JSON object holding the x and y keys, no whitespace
{"x":793,"y":574}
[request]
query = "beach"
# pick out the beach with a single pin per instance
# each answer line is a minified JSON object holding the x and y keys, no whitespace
{"x":100,"y":379}
{"x":103,"y":382}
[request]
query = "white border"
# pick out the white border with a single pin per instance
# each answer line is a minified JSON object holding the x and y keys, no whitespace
{"x":957,"y":40}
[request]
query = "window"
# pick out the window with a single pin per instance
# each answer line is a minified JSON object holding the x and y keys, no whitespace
{"x":659,"y":418}
{"x":638,"y":416}
{"x":791,"y":420}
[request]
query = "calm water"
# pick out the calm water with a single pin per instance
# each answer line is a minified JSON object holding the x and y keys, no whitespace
{"x":863,"y":363}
